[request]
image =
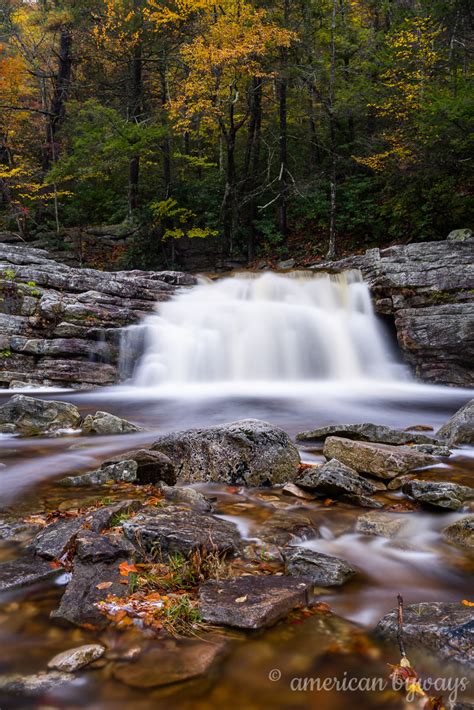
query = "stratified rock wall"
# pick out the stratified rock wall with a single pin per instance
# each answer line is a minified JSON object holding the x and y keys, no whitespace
{"x":61,"y":325}
{"x":429,"y":289}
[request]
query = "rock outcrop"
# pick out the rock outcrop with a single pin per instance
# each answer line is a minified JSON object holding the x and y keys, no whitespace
{"x":460,"y":428}
{"x":60,"y":326}
{"x":429,"y":289}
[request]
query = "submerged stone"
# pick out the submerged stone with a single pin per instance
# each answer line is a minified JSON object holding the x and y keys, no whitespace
{"x":35,"y":684}
{"x":461,"y":532}
{"x":284,"y":526}
{"x":383,"y":524}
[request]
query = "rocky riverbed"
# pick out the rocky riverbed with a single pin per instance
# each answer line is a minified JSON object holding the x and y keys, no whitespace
{"x":216,"y":552}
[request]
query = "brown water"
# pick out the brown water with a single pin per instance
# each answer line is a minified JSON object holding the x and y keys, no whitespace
{"x":419,"y":565}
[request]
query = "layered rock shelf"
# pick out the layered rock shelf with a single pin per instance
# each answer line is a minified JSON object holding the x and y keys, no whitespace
{"x":60,"y":326}
{"x":429,"y":290}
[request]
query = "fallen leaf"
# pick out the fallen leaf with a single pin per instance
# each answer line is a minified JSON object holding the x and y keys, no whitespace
{"x":126,"y":568}
{"x":467,"y":603}
{"x":241,"y":600}
{"x":103,"y":585}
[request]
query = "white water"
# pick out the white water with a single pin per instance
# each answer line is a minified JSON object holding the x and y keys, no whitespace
{"x":266,"y":328}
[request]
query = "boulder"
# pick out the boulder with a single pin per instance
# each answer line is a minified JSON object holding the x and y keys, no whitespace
{"x":375,"y":433}
{"x":92,"y":547}
{"x":446,"y":629}
{"x":378,"y":460}
{"x":24,"y":572}
{"x":110,"y":515}
{"x":104,"y":423}
{"x":335,"y":479}
{"x":459,"y":235}
{"x":286,"y":526}
{"x":382,"y":524}
{"x":461,"y":532}
{"x":323,"y":570}
{"x":80,"y":603}
{"x":438,"y":494}
{"x":460,"y":428}
{"x":53,"y":541}
{"x":186,"y":496}
{"x":123,"y":472}
{"x":152,"y":466}
{"x":172,"y":661}
{"x":171,"y":530}
{"x":76,"y":658}
{"x":248,"y":452}
{"x":252,"y":602}
{"x":30,"y":417}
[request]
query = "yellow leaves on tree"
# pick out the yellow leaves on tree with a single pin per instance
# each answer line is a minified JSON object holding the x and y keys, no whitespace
{"x":221,"y":61}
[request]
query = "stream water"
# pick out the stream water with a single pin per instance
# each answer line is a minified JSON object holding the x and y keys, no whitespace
{"x":300,"y":353}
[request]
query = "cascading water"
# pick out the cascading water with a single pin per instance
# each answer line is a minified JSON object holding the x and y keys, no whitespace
{"x":267,"y":327}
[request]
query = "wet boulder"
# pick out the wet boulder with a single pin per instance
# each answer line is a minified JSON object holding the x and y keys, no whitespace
{"x":378,"y":460}
{"x":446,"y":629}
{"x":438,"y":494}
{"x":461,"y":532}
{"x":381,"y":524}
{"x":111,"y":515}
{"x":53,"y":541}
{"x":323,"y":570}
{"x":31,"y":417}
{"x":76,"y":658}
{"x":375,"y":433}
{"x":93,"y":547}
{"x":335,"y":479}
{"x":122,"y":472}
{"x":460,"y":428}
{"x":89,"y":586}
{"x":248,"y":452}
{"x":186,"y":496}
{"x":24,"y":572}
{"x":152,"y":466}
{"x":104,"y":423}
{"x":285,"y":526}
{"x":171,"y":530}
{"x":251,"y":601}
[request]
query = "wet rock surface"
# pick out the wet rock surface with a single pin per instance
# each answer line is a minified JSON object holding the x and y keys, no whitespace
{"x":284,"y":526}
{"x":335,"y":479}
{"x":252,"y":602}
{"x":323,"y":570}
{"x":122,"y":472}
{"x":460,"y":428}
{"x":75,"y":658}
{"x":438,"y":494}
{"x":379,"y":460}
{"x":35,"y":684}
{"x":173,"y":530}
{"x":57,"y":538}
{"x":375,"y":433}
{"x":461,"y":532}
{"x":152,"y":466}
{"x":248,"y":452}
{"x":446,"y":629}
{"x":83,"y":593}
{"x":30,"y":417}
{"x":105,"y":424}
{"x":382,"y":524}
{"x":25,"y":572}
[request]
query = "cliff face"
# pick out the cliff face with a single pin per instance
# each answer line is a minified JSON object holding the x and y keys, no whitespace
{"x":61,"y":325}
{"x":429,"y":290}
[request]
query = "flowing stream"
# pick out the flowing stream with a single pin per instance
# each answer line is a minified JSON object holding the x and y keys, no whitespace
{"x":300,"y":352}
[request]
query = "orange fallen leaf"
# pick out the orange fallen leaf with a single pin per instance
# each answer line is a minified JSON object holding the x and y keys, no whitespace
{"x":103,"y":585}
{"x":126,"y":568}
{"x":467,"y":603}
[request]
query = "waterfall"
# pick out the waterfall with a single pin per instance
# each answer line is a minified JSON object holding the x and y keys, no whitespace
{"x":265,"y":327}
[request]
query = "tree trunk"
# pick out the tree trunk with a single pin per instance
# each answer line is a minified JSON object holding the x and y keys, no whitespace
{"x":283,"y":135}
{"x":331,"y":253}
{"x":229,"y":203}
{"x":166,"y":147}
{"x":136,"y":91}
{"x":251,"y":162}
{"x":57,"y":109}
